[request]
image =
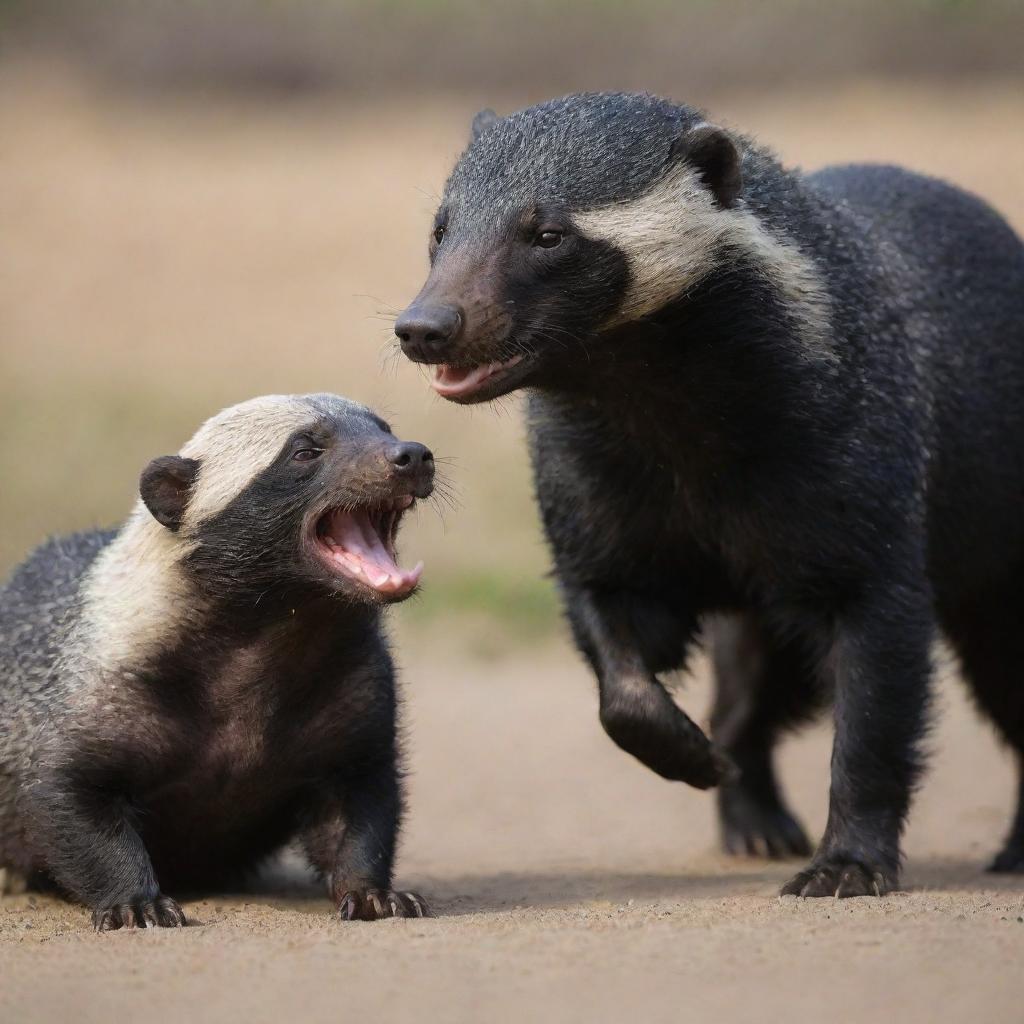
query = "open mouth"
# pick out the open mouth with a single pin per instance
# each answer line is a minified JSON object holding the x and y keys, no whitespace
{"x":459,"y":383}
{"x":360,"y":545}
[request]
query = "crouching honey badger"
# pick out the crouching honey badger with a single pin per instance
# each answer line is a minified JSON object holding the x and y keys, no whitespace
{"x":182,"y":697}
{"x":794,"y":401}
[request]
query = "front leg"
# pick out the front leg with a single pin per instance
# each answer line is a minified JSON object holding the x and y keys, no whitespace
{"x":626,"y":640}
{"x":351,"y":842}
{"x":93,"y":852}
{"x":882,"y":663}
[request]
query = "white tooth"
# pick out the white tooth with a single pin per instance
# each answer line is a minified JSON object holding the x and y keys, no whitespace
{"x":382,"y":579}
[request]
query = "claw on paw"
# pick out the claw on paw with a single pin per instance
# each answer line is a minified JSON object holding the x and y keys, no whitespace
{"x":839,"y":880}
{"x":375,"y":904}
{"x":161,"y":912}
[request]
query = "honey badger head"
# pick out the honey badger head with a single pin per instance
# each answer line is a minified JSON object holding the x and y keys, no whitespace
{"x":286,"y":493}
{"x":560,"y":222}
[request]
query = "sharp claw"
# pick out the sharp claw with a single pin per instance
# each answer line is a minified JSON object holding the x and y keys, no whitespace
{"x":838,"y":881}
{"x":376,"y":904}
{"x":161,"y":912}
{"x":347,"y":907}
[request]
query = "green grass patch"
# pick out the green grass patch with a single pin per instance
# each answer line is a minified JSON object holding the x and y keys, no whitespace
{"x":525,"y":607}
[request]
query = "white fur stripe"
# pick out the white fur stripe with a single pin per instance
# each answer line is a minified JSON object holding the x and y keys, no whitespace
{"x":135,"y":598}
{"x":235,"y":446}
{"x":674,"y":235}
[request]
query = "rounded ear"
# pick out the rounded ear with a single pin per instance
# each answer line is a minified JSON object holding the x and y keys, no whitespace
{"x":164,"y":487}
{"x":482,"y":122}
{"x":714,"y":155}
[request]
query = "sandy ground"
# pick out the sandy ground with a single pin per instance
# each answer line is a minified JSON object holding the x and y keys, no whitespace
{"x":570,"y":884}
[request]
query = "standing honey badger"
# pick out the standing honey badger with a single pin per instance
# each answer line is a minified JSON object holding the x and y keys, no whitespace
{"x":181,"y":698}
{"x":793,"y":400}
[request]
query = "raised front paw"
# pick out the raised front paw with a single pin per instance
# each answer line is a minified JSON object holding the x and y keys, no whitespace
{"x":161,"y":912}
{"x":758,"y":828}
{"x":841,"y":879}
{"x":647,"y":724}
{"x":373,"y":904}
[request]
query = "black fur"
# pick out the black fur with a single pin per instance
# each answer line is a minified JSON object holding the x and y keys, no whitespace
{"x":843,"y":480}
{"x":268,"y":713}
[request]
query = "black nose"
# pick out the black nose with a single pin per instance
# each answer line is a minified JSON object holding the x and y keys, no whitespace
{"x":426,"y":331}
{"x":413,"y":463}
{"x":410,"y":458}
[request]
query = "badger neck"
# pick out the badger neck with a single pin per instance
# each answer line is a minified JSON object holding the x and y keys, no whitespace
{"x":142,"y":607}
{"x":740,"y":370}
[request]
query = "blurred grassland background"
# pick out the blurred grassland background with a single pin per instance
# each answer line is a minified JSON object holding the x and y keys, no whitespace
{"x":200,"y":202}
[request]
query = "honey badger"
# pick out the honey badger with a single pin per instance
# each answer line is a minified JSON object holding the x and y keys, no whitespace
{"x":793,"y":401}
{"x":180,"y":698}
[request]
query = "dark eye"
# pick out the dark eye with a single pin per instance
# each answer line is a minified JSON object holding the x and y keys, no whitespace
{"x":548,"y":239}
{"x":307,"y":454}
{"x":438,"y":234}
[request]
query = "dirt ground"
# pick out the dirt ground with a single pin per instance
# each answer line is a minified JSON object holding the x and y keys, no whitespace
{"x":570,"y":885}
{"x":163,"y":258}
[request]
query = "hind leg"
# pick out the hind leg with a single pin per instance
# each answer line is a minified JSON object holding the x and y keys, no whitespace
{"x":763,"y":687}
{"x":990,"y":643}
{"x":1011,"y":857}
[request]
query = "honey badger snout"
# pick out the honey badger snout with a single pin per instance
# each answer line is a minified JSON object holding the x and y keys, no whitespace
{"x":427,"y":330}
{"x":413,"y":462}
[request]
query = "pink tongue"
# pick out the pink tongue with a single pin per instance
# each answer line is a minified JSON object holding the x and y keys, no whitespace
{"x":358,"y":547}
{"x":362,"y":539}
{"x":453,"y":380}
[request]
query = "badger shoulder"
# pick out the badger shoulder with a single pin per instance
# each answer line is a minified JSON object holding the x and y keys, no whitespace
{"x":45,"y":586}
{"x":38,"y":607}
{"x":53,"y":566}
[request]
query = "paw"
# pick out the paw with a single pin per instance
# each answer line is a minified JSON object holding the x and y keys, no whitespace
{"x":840,"y":879}
{"x":374,"y":904}
{"x":1009,"y":860}
{"x":161,"y":912}
{"x":657,"y":733}
{"x":755,"y":828}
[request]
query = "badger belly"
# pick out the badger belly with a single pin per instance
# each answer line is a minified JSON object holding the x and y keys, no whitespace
{"x":199,"y":839}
